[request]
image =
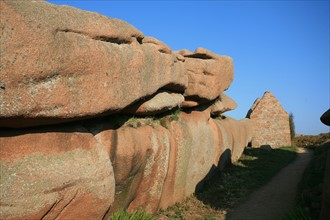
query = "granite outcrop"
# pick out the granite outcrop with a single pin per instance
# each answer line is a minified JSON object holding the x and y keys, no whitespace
{"x":96,"y":117}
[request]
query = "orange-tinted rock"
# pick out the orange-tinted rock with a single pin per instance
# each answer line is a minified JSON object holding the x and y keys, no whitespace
{"x":54,"y":173}
{"x":222,"y":104}
{"x":139,"y":151}
{"x":190,"y":148}
{"x":80,"y":65}
{"x":189,"y":104}
{"x":190,"y":158}
{"x":209,"y":74}
{"x":163,"y":48}
{"x":59,"y":64}
{"x":236,"y":135}
{"x":271,"y":122}
{"x":159,"y":103}
{"x":157,"y":163}
{"x":154,"y":163}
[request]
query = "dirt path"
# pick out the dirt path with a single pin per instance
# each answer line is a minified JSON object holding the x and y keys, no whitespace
{"x":276,"y":197}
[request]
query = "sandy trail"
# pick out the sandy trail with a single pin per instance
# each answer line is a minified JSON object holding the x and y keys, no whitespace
{"x":276,"y":197}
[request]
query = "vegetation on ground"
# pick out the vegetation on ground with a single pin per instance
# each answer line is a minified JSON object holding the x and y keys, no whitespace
{"x":137,"y":215}
{"x":227,"y":188}
{"x":309,"y":196}
{"x":135,"y":121}
{"x":311,"y":141}
{"x":296,"y":214}
{"x":230,"y":187}
{"x":292,"y":127}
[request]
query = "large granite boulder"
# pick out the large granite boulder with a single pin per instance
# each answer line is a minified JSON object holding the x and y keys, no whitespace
{"x":93,"y":168}
{"x":208,"y":74}
{"x":162,"y":101}
{"x":54,"y":173}
{"x":223,"y":104}
{"x":60,"y":64}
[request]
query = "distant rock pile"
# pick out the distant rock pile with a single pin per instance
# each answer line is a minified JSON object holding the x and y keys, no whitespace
{"x":271,"y":122}
{"x":96,"y":117}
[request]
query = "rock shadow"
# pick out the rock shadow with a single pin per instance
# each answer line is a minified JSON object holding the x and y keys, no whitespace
{"x":229,"y":184}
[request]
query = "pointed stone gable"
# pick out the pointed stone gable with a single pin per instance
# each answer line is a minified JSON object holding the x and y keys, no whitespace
{"x":271,"y":122}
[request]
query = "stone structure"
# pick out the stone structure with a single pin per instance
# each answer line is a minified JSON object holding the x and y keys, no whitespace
{"x":271,"y":122}
{"x":68,"y":149}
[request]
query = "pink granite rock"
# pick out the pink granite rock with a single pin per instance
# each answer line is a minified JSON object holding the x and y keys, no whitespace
{"x":209,"y":74}
{"x":64,"y":170}
{"x":62,"y":173}
{"x":161,"y":102}
{"x":223,"y":104}
{"x":59,"y":64}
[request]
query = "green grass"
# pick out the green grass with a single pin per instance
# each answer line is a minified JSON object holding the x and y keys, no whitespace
{"x":175,"y":211}
{"x":228,"y":188}
{"x":296,"y":214}
{"x":309,"y":194}
{"x":137,"y":215}
{"x":163,"y":119}
{"x":314,"y":173}
{"x":175,"y":114}
{"x":254,"y":169}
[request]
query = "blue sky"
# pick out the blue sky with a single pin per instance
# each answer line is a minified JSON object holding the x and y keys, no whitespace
{"x":280,"y":46}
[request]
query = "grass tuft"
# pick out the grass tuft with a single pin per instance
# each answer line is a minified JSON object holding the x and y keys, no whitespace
{"x":296,"y":214}
{"x":175,"y":115}
{"x":310,"y":189}
{"x":137,"y":215}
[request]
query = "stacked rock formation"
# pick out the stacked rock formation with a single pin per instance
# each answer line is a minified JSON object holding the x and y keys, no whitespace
{"x":271,"y":122}
{"x":77,"y":90}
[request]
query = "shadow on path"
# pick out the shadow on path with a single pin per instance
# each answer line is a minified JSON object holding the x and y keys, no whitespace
{"x":276,"y":197}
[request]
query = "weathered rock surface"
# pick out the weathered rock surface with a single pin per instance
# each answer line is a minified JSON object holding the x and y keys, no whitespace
{"x":208,"y":74}
{"x":271,"y":122}
{"x":160,"y":102}
{"x":54,"y":173}
{"x":64,"y":170}
{"x":163,"y":48}
{"x":61,"y":63}
{"x":223,"y":104}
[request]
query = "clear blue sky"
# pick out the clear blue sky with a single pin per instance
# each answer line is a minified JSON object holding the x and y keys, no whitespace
{"x":280,"y":46}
